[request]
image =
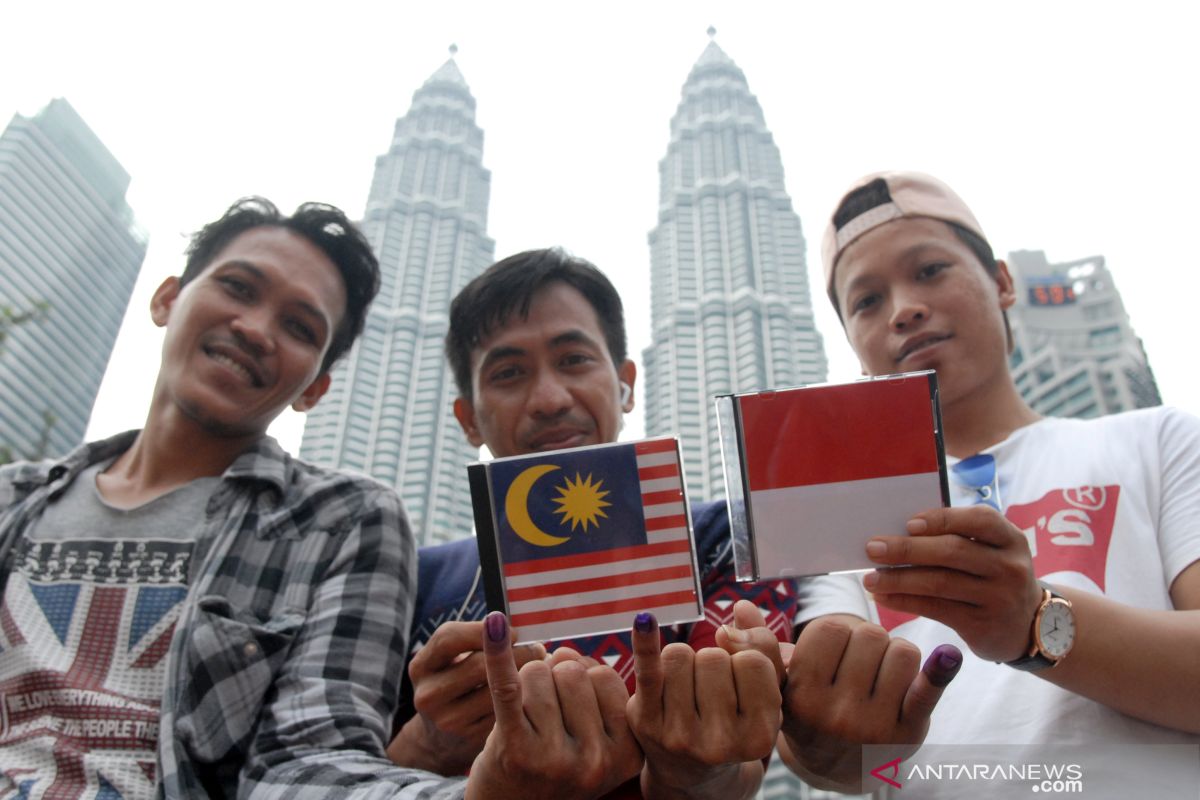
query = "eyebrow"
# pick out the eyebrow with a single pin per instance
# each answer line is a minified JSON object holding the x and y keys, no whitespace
{"x":573,"y":336}
{"x":261,"y":277}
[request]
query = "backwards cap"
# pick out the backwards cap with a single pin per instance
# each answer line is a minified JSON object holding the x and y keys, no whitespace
{"x":886,"y":196}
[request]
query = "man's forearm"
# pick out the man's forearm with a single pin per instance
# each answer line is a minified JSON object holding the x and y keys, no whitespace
{"x":1139,"y":662}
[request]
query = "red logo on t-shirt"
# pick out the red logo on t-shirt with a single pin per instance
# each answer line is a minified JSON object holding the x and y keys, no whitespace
{"x":1068,"y":530}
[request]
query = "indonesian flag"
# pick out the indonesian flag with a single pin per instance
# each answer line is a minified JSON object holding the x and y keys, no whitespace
{"x":828,"y":467}
{"x":576,"y":542}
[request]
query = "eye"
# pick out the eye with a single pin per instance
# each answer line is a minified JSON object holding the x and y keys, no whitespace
{"x":929,"y":270}
{"x":236,"y":287}
{"x":504,"y":374}
{"x":865,"y":303}
{"x":301,"y":330}
{"x":576,"y":359}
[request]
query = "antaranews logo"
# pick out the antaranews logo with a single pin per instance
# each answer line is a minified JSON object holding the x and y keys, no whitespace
{"x":894,"y":767}
{"x":1059,"y":778}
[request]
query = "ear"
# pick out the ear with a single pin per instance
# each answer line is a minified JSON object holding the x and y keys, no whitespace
{"x":464,"y":412}
{"x":315,"y":391}
{"x":163,"y":299}
{"x":1004,"y":280}
{"x":627,"y":374}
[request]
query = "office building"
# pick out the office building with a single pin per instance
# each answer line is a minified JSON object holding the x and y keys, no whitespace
{"x":389,"y":410}
{"x":1076,"y":354}
{"x":730,"y":306}
{"x":70,"y":253}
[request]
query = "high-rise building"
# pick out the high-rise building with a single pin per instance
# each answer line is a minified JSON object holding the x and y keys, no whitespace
{"x":730,"y":307}
{"x":69,"y":254}
{"x":1075,"y":354}
{"x":389,"y":410}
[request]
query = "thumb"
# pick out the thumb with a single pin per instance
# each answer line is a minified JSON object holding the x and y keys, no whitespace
{"x":503,"y":681}
{"x":926,"y":689}
{"x":749,"y":632}
{"x":746,"y":615}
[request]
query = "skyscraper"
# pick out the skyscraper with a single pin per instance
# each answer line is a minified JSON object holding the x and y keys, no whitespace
{"x":389,"y":411}
{"x":69,"y":251}
{"x":730,"y":307}
{"x":1076,"y":354}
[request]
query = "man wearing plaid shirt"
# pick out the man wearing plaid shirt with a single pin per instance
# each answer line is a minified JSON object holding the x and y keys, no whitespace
{"x":186,"y":610}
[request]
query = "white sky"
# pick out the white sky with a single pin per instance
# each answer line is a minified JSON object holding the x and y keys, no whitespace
{"x":1068,"y":127}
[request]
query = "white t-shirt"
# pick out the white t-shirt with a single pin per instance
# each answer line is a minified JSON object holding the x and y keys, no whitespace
{"x":1110,"y":506}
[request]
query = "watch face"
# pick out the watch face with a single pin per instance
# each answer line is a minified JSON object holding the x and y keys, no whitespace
{"x":1056,"y":630}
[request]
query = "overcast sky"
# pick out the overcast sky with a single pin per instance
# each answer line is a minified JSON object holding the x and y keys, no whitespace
{"x":1068,"y":127}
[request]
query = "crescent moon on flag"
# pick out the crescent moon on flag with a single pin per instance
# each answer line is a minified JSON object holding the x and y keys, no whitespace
{"x":516,"y":506}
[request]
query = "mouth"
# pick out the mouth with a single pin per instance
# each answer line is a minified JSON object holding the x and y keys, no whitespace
{"x":558,"y":439}
{"x":236,"y":362}
{"x":920,"y":343}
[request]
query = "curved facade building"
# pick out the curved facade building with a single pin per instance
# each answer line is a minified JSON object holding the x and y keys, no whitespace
{"x":69,"y":245}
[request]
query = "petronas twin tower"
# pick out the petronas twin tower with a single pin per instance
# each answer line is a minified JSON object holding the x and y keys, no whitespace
{"x":730,"y":302}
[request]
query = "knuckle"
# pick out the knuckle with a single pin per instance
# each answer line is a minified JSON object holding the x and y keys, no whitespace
{"x":677,"y":655}
{"x":711,"y":658}
{"x":904,"y":649}
{"x":827,"y":628}
{"x":506,"y":691}
{"x":937,"y":582}
{"x":869,"y":634}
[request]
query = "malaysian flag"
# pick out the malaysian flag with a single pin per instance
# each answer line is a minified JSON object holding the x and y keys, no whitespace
{"x":576,"y":542}
{"x":822,"y":469}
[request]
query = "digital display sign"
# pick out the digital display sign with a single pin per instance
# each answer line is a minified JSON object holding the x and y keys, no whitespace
{"x":1051,"y":294}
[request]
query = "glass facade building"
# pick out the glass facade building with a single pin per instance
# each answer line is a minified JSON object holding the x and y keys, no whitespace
{"x":389,"y":411}
{"x":70,"y":253}
{"x":730,"y":305}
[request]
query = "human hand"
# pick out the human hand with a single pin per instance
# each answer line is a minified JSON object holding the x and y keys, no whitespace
{"x":450,"y":693}
{"x":850,"y":684}
{"x":970,"y":569}
{"x":560,"y":730}
{"x":705,"y":719}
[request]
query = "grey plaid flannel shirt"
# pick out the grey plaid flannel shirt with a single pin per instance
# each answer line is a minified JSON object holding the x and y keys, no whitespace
{"x":285,"y":665}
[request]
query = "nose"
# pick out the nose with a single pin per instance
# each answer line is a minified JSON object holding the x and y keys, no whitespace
{"x":908,"y":310}
{"x":252,"y":328}
{"x":548,"y":395}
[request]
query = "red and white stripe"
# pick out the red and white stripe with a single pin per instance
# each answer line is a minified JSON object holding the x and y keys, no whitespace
{"x":593,"y":593}
{"x":831,"y":466}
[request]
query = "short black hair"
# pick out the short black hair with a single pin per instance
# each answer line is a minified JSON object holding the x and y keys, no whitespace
{"x":327,"y":228}
{"x":508,"y":287}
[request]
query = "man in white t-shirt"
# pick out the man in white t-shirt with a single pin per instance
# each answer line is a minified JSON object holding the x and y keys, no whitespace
{"x":1069,"y":563}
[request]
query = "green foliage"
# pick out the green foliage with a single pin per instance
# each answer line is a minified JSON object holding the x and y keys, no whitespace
{"x":10,"y":319}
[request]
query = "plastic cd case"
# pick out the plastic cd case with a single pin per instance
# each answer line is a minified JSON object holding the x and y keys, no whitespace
{"x":812,"y":473}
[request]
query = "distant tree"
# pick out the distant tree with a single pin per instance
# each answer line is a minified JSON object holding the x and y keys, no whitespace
{"x":10,"y":319}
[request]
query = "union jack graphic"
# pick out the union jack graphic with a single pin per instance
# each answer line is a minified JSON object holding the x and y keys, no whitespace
{"x":81,"y":673}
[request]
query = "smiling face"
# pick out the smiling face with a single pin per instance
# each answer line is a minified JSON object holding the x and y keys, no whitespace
{"x":246,"y":337}
{"x":545,"y":381}
{"x":913,"y":296}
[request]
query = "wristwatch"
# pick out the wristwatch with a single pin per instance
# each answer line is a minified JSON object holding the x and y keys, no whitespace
{"x":1053,"y":633}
